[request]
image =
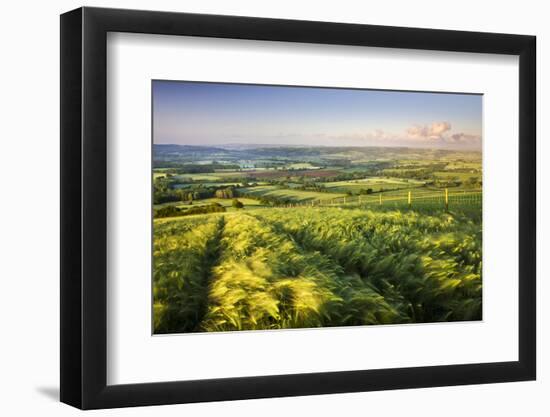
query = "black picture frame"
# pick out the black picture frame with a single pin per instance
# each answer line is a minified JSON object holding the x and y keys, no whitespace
{"x":84,"y":207}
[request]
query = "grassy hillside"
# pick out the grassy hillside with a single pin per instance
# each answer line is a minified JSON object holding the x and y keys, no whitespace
{"x":298,"y":196}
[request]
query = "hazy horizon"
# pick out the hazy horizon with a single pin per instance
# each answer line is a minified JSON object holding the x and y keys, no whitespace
{"x":275,"y":145}
{"x":224,"y":114}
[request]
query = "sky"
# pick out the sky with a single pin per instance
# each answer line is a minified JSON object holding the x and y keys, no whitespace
{"x":197,"y":113}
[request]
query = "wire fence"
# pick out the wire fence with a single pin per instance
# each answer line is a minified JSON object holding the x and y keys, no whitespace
{"x":408,"y":198}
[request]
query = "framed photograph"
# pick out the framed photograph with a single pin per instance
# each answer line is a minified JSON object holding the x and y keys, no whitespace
{"x":258,"y":208}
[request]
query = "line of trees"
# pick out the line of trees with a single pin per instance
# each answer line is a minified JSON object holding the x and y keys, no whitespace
{"x":170,"y":196}
{"x":183,"y":168}
{"x":172,"y":211}
{"x":228,"y":192}
{"x":163,"y":192}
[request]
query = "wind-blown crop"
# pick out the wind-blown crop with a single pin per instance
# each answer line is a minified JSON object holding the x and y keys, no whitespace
{"x":183,"y":254}
{"x":315,"y":267}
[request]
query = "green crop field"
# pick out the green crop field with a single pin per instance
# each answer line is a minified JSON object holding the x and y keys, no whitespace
{"x":297,"y":196}
{"x":248,"y":203}
{"x":313,"y":267}
{"x":212,"y":177}
{"x":462,"y":176}
{"x":374,"y":183}
{"x":423,"y":192}
{"x":473,"y":166}
{"x":303,"y":165}
{"x":420,"y":197}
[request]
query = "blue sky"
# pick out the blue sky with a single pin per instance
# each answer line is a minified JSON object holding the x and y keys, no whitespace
{"x":196,"y":113}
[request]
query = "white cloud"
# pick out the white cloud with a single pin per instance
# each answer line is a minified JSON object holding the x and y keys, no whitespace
{"x":435,"y":131}
{"x":438,"y":134}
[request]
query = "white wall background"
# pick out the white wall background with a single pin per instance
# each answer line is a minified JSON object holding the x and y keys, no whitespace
{"x":29,"y":225}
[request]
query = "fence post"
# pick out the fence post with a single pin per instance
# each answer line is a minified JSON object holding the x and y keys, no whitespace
{"x":380,"y":195}
{"x":446,"y":199}
{"x":410,"y":200}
